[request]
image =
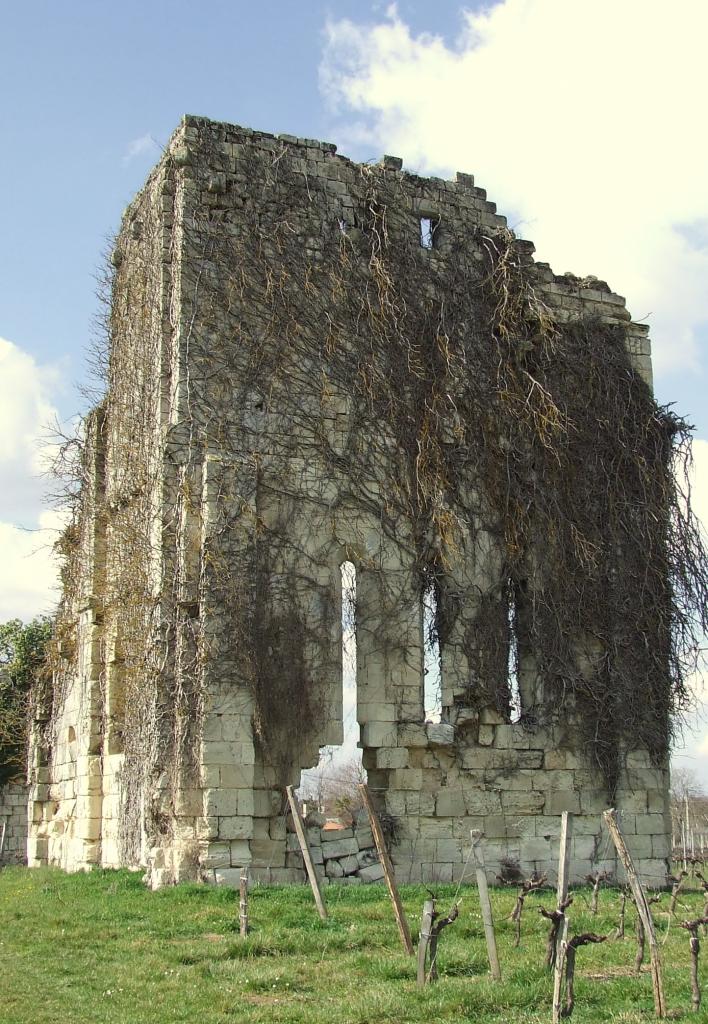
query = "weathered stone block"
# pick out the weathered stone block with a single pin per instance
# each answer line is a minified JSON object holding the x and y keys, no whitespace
{"x":222,"y":802}
{"x":378,"y":734}
{"x":633,"y":802}
{"x":486,"y":735}
{"x":448,"y":850}
{"x":412,"y":735}
{"x":536,"y":850}
{"x":407,"y":778}
{"x":216,"y":855}
{"x":490,"y":716}
{"x":277,"y":876}
{"x":350,"y":863}
{"x":488,"y":802}
{"x":235,"y":827}
{"x":367,"y":857}
{"x":450,"y":803}
{"x":364,"y":837}
{"x":268,"y":853}
{"x":440,"y":734}
{"x":523,"y":803}
{"x":339,"y":848}
{"x":333,"y":835}
{"x":649,"y":824}
{"x":560,"y":759}
{"x":333,"y":868}
{"x":660,"y":847}
{"x":372,"y":873}
{"x":392,"y":757}
{"x":565,"y":800}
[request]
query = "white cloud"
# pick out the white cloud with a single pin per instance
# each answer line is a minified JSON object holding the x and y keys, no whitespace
{"x":27,"y":531}
{"x":29,"y":569}
{"x":699,"y":480}
{"x":144,"y":145}
{"x":582,"y":120}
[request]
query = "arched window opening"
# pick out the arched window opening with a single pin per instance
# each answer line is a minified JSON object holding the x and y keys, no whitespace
{"x":349,"y":696}
{"x":432,"y":664}
{"x":331,"y":787}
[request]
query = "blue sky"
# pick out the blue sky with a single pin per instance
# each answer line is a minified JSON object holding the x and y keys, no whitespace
{"x":580,"y":122}
{"x":85,"y":82}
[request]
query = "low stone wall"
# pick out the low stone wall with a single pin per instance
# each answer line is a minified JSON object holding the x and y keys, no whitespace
{"x":345,"y":855}
{"x":13,"y":814}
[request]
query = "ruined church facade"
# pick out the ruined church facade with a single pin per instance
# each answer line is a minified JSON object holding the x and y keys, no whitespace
{"x":315,"y":362}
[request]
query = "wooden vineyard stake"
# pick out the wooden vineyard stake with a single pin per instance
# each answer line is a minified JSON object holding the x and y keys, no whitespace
{"x":619,"y":934}
{"x":387,"y":866}
{"x":243,"y":903}
{"x":640,"y":900}
{"x":558,"y":968}
{"x":562,"y":885}
{"x":561,"y":924}
{"x":306,"y":855}
{"x":564,"y":858}
{"x":484,"y":902}
{"x":426,"y":926}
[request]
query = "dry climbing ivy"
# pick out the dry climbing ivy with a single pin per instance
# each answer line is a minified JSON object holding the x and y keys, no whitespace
{"x":472,"y":418}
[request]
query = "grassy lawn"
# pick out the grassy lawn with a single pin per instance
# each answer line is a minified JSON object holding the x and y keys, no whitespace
{"x":89,"y":949}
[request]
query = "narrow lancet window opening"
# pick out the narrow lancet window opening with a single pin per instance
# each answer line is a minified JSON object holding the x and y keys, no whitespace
{"x":432,"y":663}
{"x":350,"y":718}
{"x":428,"y":226}
{"x":513,"y":655}
{"x":331,"y":785}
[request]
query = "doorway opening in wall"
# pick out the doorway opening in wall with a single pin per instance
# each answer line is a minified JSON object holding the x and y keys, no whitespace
{"x":432,"y":663}
{"x":331,"y":787}
{"x":512,"y":670}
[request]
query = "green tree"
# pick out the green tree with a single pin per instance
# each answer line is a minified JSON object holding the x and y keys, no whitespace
{"x":23,"y":659}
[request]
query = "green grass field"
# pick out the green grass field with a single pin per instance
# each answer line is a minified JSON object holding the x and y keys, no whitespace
{"x":95,"y":948}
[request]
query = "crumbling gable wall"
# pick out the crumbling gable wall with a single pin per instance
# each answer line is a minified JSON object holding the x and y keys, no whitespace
{"x":315,"y":361}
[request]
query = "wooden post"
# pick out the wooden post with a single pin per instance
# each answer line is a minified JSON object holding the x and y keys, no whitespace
{"x":561,"y":943}
{"x":306,"y":855}
{"x":558,"y":970}
{"x":387,"y":866}
{"x":623,"y":906}
{"x":640,"y":900}
{"x":426,"y":926}
{"x":564,"y":859}
{"x":484,"y":902}
{"x":562,"y":885}
{"x":243,"y":903}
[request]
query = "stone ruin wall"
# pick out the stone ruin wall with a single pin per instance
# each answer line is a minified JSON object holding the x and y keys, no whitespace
{"x":13,"y":815}
{"x":202,"y":658}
